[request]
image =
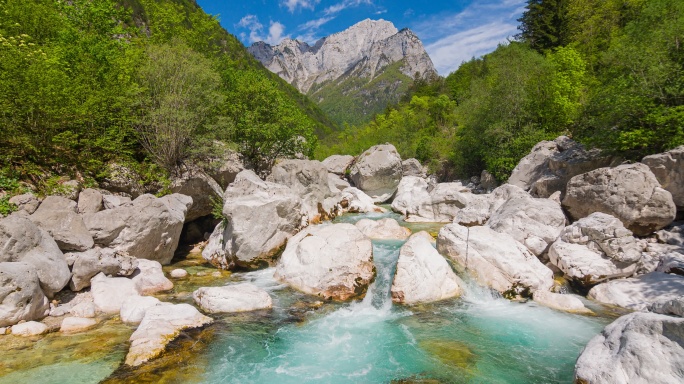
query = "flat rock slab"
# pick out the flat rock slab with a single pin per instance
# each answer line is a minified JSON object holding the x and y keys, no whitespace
{"x":77,"y":324}
{"x":232,"y":298}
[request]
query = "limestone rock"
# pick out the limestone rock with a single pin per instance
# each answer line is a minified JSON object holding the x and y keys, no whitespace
{"x":412,"y":167}
{"x":261,"y":217}
{"x":419,"y":201}
{"x":338,"y":164}
{"x":85,"y":310}
{"x":224,"y":167}
{"x":337,"y":184}
{"x":423,"y":275}
{"x":629,"y":192}
{"x":201,"y":188}
{"x":58,"y":203}
{"x":26,"y":202}
{"x":150,"y":279}
{"x":383,"y":229}
{"x":673,"y":307}
{"x":77,"y":324}
{"x":638,"y":293}
{"x":109,"y":293}
{"x":495,"y":259}
{"x":20,"y":295}
{"x":636,"y":348}
{"x":65,"y":226}
{"x":668,"y":168}
{"x":179,"y":273}
{"x":377,"y":172}
{"x":243,"y":297}
{"x":306,"y":178}
{"x":114,"y":201}
{"x":672,"y":262}
{"x":22,"y":241}
{"x":332,"y":261}
{"x":355,"y":200}
{"x":536,"y":223}
{"x":561,"y":302}
{"x":93,"y":261}
{"x":481,"y":207}
{"x":673,"y":235}
{"x":161,"y":325}
{"x":90,"y":201}
{"x":133,"y":309}
{"x":29,"y":328}
{"x":488,"y":181}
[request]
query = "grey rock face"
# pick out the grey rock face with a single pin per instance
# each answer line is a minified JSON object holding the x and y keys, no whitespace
{"x":20,"y":295}
{"x":59,"y":203}
{"x":85,"y":265}
{"x":412,"y":167}
{"x":668,"y":168}
{"x":481,"y":207}
{"x":306,"y":178}
{"x":419,"y":201}
{"x":338,"y":164}
{"x":114,"y":201}
{"x":27,"y":202}
{"x":337,"y":184}
{"x":90,"y":201}
{"x":636,"y":348}
{"x":22,"y":241}
{"x":673,"y":307}
{"x":366,"y":47}
{"x":201,"y":188}
{"x":629,"y":192}
{"x":377,"y":172}
{"x":261,"y":217}
{"x":551,"y":164}
{"x":224,"y":167}
{"x":65,"y":226}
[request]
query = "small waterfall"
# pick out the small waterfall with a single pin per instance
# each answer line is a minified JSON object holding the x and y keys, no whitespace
{"x":385,"y":256}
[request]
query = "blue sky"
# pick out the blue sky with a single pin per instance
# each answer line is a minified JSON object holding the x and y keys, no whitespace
{"x":452,"y":31}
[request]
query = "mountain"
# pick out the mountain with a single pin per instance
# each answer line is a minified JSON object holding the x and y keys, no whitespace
{"x":353,"y":74}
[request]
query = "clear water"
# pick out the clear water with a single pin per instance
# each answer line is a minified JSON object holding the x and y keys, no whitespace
{"x":478,"y":338}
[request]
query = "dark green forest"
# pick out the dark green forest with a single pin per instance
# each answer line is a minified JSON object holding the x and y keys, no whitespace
{"x":608,"y":73}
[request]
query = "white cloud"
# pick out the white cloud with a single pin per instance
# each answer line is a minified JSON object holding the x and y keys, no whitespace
{"x":339,"y":7}
{"x":276,"y":30}
{"x":315,"y":24}
{"x":451,"y":39}
{"x":292,"y":5}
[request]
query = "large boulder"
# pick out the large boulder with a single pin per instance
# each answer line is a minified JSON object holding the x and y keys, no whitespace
{"x":26,"y":202}
{"x":378,"y":172}
{"x":65,"y":226}
{"x":201,"y":188}
{"x":160,"y":326}
{"x":336,"y":183}
{"x":536,"y":223}
{"x":594,"y":249}
{"x":114,"y":201}
{"x":383,"y":229}
{"x":673,"y":307}
{"x":418,"y":201}
{"x":668,"y":168}
{"x":260,"y":218}
{"x":109,"y":293}
{"x":495,"y":259}
{"x":90,"y":201}
{"x":20,"y":295}
{"x":412,"y":167}
{"x":551,"y":164}
{"x":639,"y":293}
{"x":224,"y":166}
{"x":243,"y":297}
{"x":22,"y":241}
{"x":133,"y":309}
{"x":423,"y":275}
{"x":338,"y":164}
{"x":636,"y":348}
{"x":629,"y":192}
{"x":150,"y":279}
{"x":355,"y":200}
{"x":85,"y":265}
{"x":332,"y":261}
{"x":147,"y":228}
{"x":481,"y":207}
{"x":309,"y":180}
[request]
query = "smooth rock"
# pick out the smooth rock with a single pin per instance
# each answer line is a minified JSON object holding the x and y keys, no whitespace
{"x":161,"y":325}
{"x":77,"y":324}
{"x":420,"y":202}
{"x":93,"y":261}
{"x":481,"y":207}
{"x":133,"y":309}
{"x":338,"y":164}
{"x":629,"y":192}
{"x":377,"y":172}
{"x":66,"y":227}
{"x":114,"y":201}
{"x":383,"y":229}
{"x":332,"y":261}
{"x":672,"y":262}
{"x":90,"y":201}
{"x":201,"y":188}
{"x":495,"y":259}
{"x":423,"y":275}
{"x":638,"y":293}
{"x":58,"y":203}
{"x":26,"y":202}
{"x":243,"y":297}
{"x":309,"y":180}
{"x":109,"y":293}
{"x":29,"y":328}
{"x":668,"y":168}
{"x":412,"y":167}
{"x":85,"y":310}
{"x":336,"y":183}
{"x":561,"y":302}
{"x":179,"y":273}
{"x":20,"y":295}
{"x":354,"y":200}
{"x":23,"y":241}
{"x":636,"y":348}
{"x":150,"y":279}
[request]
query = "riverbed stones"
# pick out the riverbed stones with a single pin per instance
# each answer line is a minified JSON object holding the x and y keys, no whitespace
{"x":85,"y":265}
{"x":629,"y":192}
{"x":332,"y":261}
{"x":561,"y":302}
{"x":308,"y":179}
{"x":495,"y":259}
{"x":84,"y":309}
{"x":22,"y":241}
{"x":73,"y":324}
{"x":149,"y":278}
{"x":179,"y":273}
{"x":383,"y":229}
{"x":243,"y":297}
{"x":260,"y":218}
{"x":133,"y":308}
{"x":594,"y":249}
{"x":354,"y":200}
{"x":90,"y":201}
{"x":201,"y":188}
{"x":20,"y":295}
{"x":338,"y":164}
{"x":377,"y":172}
{"x":109,"y":293}
{"x":29,"y":328}
{"x":636,"y":348}
{"x":423,"y":275}
{"x":638,"y":293}
{"x":668,"y":168}
{"x":536,"y":223}
{"x":161,"y":325}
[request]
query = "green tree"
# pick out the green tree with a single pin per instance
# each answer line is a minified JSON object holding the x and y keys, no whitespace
{"x":543,"y":24}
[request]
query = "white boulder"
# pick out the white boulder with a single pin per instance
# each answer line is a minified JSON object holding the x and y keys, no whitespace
{"x":243,"y":297}
{"x":383,"y":229}
{"x":377,"y":172}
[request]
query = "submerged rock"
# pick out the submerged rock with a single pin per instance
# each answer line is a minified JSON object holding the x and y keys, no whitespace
{"x":636,"y":348}
{"x":232,"y":298}
{"x":161,"y":325}
{"x":332,"y":261}
{"x":629,"y":192}
{"x":495,"y":259}
{"x":377,"y":172}
{"x":423,"y":275}
{"x":20,"y":295}
{"x":383,"y":229}
{"x":638,"y":293}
